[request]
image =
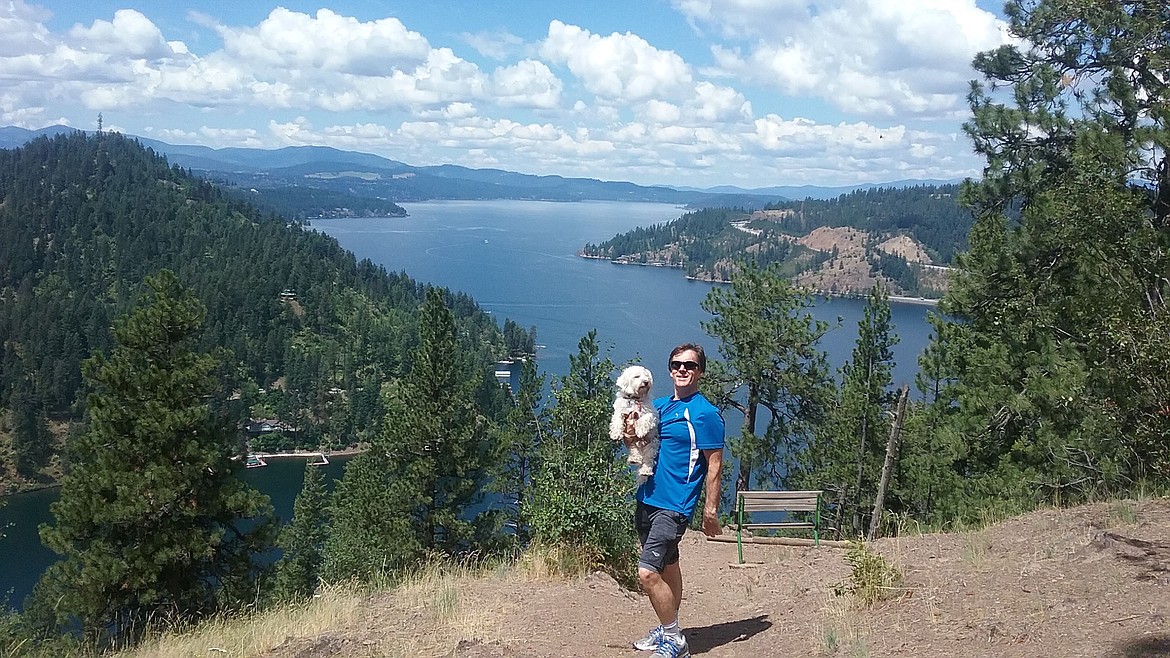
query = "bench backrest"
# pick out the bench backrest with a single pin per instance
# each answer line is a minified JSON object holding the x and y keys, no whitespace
{"x":779,"y":501}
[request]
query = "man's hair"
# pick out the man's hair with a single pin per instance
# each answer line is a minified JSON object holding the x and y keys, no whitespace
{"x":697,"y":349}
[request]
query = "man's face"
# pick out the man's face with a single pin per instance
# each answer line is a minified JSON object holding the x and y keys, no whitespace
{"x":685,"y":372}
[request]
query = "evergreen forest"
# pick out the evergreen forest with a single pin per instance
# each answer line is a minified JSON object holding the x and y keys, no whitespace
{"x":307,"y":203}
{"x":310,"y":335}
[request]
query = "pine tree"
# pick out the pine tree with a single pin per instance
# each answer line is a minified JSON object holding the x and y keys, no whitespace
{"x":414,"y":489}
{"x":302,"y":540}
{"x":866,"y":394}
{"x":31,"y":440}
{"x":847,"y":453}
{"x":771,"y":364}
{"x":1061,"y":303}
{"x":521,"y":439}
{"x":153,"y":525}
{"x":581,"y":492}
{"x":929,"y":486}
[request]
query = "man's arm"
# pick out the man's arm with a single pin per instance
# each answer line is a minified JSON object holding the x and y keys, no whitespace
{"x":714,"y":491}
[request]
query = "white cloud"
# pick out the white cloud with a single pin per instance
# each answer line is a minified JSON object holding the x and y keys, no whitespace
{"x":529,"y":83}
{"x":172,"y":135}
{"x":715,"y":104}
{"x":744,"y":18}
{"x":22,"y":31}
{"x":617,"y":67}
{"x":130,"y":34}
{"x":658,"y":111}
{"x":326,"y":42}
{"x":874,"y":57}
{"x":245,"y":137}
{"x":497,"y":45}
{"x":452,"y":111}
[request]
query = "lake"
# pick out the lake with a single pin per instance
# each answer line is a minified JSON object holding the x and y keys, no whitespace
{"x":518,"y":260}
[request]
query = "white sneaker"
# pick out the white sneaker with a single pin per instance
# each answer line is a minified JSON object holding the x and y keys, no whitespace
{"x":651,"y":641}
{"x":673,"y":646}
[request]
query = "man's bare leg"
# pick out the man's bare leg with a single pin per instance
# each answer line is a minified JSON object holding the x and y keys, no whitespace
{"x":660,"y":593}
{"x":672,"y":575}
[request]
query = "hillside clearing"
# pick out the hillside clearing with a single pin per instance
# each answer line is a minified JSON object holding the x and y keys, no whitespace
{"x":1085,"y":581}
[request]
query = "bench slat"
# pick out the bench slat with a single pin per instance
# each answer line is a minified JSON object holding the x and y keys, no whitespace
{"x":780,"y":499}
{"x":793,"y":524}
{"x":780,"y":503}
{"x":785,"y":508}
{"x":766,"y":494}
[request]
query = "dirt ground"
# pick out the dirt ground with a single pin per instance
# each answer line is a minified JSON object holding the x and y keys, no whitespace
{"x":1086,"y":581}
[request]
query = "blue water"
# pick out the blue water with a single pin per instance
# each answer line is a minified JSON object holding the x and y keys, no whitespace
{"x":518,"y":259}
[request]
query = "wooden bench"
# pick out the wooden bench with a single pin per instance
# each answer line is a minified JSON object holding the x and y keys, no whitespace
{"x":778,"y":501}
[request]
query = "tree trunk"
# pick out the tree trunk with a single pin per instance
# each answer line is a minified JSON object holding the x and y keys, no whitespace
{"x":891,"y":450}
{"x":743,"y":479}
{"x":861,"y":443}
{"x":856,"y":500}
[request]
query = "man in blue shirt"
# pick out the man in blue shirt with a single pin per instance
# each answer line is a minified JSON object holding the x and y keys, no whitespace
{"x":690,"y":452}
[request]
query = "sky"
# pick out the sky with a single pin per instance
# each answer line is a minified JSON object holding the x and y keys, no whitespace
{"x":689,"y":93}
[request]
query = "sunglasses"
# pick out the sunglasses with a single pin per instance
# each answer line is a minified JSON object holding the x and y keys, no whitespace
{"x":684,"y":365}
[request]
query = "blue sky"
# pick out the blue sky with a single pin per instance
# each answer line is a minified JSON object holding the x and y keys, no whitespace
{"x":679,"y":92}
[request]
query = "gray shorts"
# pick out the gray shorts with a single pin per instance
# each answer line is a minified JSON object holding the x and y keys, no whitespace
{"x":660,"y":531}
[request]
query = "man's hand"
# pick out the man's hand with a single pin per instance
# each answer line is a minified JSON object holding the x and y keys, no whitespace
{"x":629,"y":433}
{"x":711,"y":526}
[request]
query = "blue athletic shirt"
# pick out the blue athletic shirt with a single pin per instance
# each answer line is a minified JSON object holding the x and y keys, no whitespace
{"x":686,"y":427}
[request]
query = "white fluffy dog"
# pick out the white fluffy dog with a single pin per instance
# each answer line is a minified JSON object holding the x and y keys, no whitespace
{"x":632,"y":405}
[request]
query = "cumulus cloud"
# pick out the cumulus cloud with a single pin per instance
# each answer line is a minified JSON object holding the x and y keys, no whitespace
{"x":130,"y":34}
{"x":715,"y":104}
{"x":876,"y":57}
{"x":328,"y":42}
{"x":529,"y":83}
{"x":453,"y":111}
{"x":623,"y":67}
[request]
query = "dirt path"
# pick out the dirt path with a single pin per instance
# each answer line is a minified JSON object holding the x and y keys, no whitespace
{"x":1089,"y":581}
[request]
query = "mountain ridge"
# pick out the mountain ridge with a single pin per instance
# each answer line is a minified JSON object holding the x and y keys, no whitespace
{"x":251,"y":167}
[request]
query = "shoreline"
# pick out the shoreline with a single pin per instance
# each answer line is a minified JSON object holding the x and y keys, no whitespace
{"x":896,"y":299}
{"x":301,"y":453}
{"x":304,"y":454}
{"x":9,"y":490}
{"x":920,"y":301}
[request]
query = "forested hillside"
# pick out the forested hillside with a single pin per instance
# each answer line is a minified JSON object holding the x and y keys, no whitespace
{"x":307,"y":203}
{"x":310,"y":333}
{"x":900,"y":237}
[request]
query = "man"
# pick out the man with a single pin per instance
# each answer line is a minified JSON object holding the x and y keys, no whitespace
{"x":690,"y":451}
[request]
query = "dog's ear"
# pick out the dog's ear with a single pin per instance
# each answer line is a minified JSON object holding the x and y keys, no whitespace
{"x":623,"y":380}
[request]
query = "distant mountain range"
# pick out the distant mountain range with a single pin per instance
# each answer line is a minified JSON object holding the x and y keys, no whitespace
{"x":374,"y":177}
{"x":797,"y":192}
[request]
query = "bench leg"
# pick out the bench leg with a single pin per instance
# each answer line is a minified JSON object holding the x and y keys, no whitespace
{"x":739,"y":531}
{"x":817,"y":524}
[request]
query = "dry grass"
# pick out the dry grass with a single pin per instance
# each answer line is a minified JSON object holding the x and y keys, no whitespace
{"x":433,"y":596}
{"x":841,"y":630}
{"x":543,"y":563}
{"x":254,"y":634}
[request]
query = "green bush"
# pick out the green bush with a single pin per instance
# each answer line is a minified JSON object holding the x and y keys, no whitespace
{"x":872,"y":578}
